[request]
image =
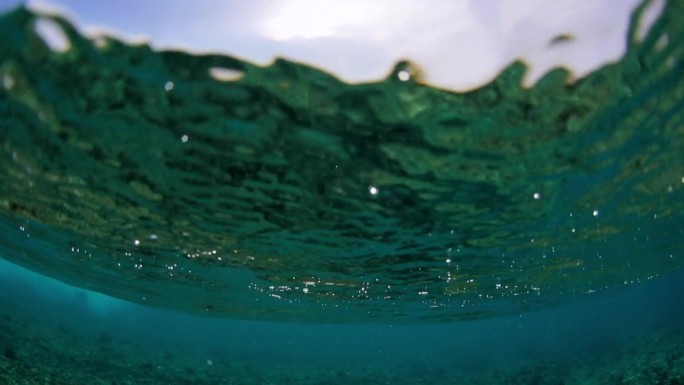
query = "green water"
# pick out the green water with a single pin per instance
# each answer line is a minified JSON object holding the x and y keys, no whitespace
{"x":389,"y":233}
{"x":290,"y":195}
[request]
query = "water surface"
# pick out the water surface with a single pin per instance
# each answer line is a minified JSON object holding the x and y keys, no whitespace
{"x":289,"y":195}
{"x":199,"y":219}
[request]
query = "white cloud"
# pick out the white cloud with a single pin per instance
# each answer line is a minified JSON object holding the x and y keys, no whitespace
{"x":459,"y":44}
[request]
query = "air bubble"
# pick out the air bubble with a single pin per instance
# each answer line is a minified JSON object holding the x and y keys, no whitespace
{"x":225,"y":74}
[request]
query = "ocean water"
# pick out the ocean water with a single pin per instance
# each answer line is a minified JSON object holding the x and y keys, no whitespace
{"x":168,"y":218}
{"x":57,"y":334}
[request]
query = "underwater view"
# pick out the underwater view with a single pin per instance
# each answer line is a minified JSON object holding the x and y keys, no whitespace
{"x":169,"y":217}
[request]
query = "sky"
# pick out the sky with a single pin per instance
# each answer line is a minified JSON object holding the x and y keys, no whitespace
{"x":457,"y":44}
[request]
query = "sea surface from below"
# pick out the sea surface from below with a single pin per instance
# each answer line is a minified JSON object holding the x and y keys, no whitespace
{"x":285,"y":227}
{"x":285,"y":194}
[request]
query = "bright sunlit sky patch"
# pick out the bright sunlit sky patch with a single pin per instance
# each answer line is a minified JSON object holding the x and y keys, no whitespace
{"x":459,"y":44}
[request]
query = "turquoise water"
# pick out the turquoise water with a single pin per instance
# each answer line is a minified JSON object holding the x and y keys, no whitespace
{"x":72,"y":336}
{"x":286,"y":227}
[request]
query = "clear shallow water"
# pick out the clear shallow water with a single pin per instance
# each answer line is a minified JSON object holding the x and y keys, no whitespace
{"x":367,"y":220}
{"x":64,"y":335}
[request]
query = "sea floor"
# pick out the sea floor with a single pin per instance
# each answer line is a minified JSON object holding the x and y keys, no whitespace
{"x":69,"y":349}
